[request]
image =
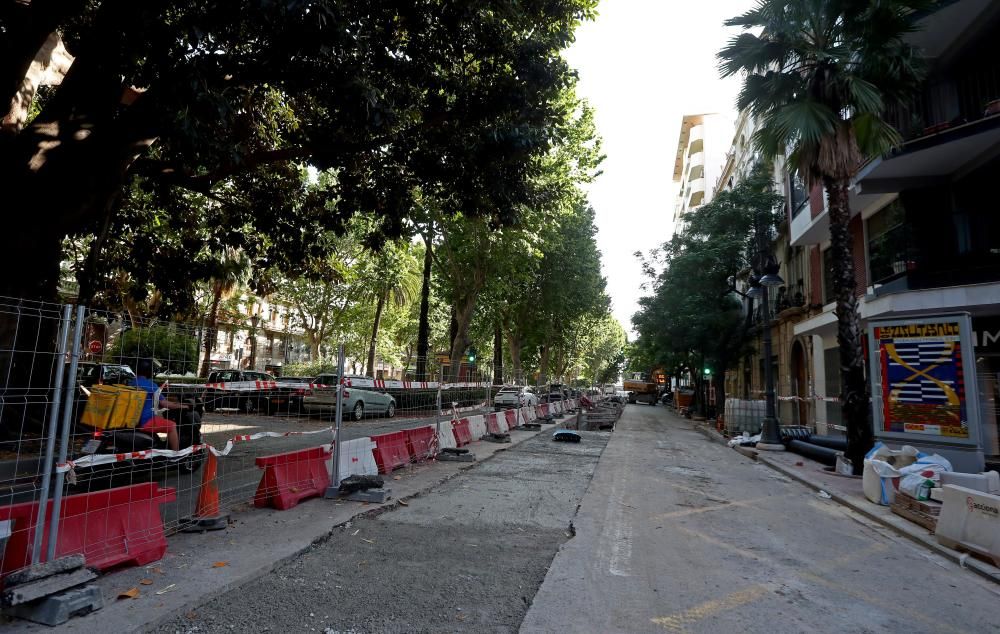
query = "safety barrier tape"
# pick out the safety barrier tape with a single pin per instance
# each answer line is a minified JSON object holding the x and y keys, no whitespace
{"x":145,"y":454}
{"x":249,"y":386}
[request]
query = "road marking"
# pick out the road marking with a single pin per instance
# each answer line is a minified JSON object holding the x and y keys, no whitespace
{"x":677,"y":622}
{"x":705,"y":509}
{"x":621,"y":547}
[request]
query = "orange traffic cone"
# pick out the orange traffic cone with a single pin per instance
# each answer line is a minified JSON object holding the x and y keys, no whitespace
{"x":206,"y":515}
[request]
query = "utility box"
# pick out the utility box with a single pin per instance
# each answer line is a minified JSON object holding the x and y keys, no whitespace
{"x":970,"y":520}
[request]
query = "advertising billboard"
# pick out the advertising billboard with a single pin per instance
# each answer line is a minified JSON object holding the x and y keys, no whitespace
{"x":923,"y":379}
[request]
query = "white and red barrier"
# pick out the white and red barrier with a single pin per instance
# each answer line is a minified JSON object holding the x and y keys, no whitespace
{"x":357,"y":457}
{"x":477,"y":425}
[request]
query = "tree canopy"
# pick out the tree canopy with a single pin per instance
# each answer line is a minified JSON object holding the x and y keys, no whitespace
{"x":196,"y":119}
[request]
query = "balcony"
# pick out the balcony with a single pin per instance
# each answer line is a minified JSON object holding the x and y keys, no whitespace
{"x":944,"y":30}
{"x":953,"y":124}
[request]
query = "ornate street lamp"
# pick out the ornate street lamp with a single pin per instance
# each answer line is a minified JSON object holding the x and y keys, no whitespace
{"x":770,"y":434}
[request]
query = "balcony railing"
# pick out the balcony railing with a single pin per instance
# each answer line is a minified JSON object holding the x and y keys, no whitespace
{"x":970,"y":94}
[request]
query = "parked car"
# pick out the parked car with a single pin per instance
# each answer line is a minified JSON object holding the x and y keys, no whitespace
{"x":265,"y":395}
{"x":293,"y":379}
{"x":358,"y":402}
{"x":89,"y":373}
{"x":511,"y":396}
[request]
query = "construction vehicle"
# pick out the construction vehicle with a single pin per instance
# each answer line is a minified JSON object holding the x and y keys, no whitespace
{"x":645,"y":387}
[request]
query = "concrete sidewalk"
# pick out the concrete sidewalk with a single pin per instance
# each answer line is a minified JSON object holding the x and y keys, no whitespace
{"x":678,"y":533}
{"x":848,"y":491}
{"x":198,"y":567}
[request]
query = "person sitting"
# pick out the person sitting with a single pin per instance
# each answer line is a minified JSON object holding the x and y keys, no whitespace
{"x":148,"y":420}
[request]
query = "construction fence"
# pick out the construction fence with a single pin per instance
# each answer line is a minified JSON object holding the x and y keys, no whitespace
{"x":109,"y":444}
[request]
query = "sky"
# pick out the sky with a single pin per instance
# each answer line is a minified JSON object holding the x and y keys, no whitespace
{"x":643,"y":64}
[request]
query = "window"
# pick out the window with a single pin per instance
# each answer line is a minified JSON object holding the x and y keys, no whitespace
{"x":888,"y":243}
{"x":798,"y":194}
{"x":826,"y":260}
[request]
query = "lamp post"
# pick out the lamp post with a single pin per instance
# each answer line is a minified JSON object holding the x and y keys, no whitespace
{"x":254,"y":321}
{"x":770,"y":435}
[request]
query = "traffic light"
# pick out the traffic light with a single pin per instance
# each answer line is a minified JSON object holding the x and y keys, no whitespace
{"x":471,"y":356}
{"x":708,"y":371}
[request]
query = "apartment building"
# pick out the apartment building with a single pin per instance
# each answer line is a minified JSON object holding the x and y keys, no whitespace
{"x":701,"y":151}
{"x":257,"y":334}
{"x":788,"y":306}
{"x":925,"y":224}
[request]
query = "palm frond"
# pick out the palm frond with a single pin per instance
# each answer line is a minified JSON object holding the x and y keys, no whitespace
{"x":808,"y":121}
{"x":863,"y":96}
{"x":874,"y":135}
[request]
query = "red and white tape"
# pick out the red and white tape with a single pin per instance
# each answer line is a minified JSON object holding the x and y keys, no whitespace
{"x":146,"y":454}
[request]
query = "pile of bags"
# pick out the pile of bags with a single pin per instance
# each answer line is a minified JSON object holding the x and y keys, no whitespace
{"x":906,"y":469}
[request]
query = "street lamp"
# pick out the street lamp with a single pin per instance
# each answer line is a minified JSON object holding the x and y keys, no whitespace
{"x":770,"y":435}
{"x":254,"y":321}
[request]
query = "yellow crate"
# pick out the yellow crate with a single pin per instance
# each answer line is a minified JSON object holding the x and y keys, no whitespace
{"x":113,"y":407}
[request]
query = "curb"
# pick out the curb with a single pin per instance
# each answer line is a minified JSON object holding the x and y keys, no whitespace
{"x":363,"y":513}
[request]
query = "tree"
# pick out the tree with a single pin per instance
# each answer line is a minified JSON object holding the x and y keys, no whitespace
{"x":232,"y":273}
{"x":392,"y":278}
{"x":174,"y":349}
{"x":819,"y":76}
{"x":222,"y":101}
{"x":691,"y":318}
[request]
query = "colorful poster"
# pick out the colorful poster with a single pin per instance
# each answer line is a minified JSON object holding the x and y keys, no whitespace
{"x":923,"y":387}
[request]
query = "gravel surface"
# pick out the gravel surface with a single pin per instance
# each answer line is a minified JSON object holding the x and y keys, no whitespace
{"x":468,"y":556}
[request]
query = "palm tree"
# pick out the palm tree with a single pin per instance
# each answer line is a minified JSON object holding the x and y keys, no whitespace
{"x":232,"y":271}
{"x":819,"y":76}
{"x":396,"y":278}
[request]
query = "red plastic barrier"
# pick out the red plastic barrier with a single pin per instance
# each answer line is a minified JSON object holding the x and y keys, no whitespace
{"x":511,"y":415}
{"x":292,"y":477}
{"x":543,"y":410}
{"x":420,"y":442}
{"x":492,"y":426}
{"x":110,"y":528}
{"x":391,"y":451}
{"x":463,"y":435}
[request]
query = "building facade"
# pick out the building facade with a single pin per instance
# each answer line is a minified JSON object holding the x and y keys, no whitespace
{"x":701,"y":151}
{"x":791,"y":355}
{"x":924,"y":220}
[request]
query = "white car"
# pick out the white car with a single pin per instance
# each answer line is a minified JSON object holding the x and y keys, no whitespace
{"x":511,"y":396}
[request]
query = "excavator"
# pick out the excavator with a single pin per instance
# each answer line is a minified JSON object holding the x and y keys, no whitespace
{"x":645,"y":387}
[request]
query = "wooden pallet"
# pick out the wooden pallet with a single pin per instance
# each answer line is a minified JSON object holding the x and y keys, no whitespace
{"x":929,"y":507}
{"x":902,"y":507}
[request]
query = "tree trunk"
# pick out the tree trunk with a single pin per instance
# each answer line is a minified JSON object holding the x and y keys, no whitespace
{"x":212,"y":333}
{"x":460,"y":319}
{"x":515,"y":344}
{"x":854,"y":394}
{"x":543,"y":366}
{"x":424,"y":327}
{"x":371,"y":346}
{"x":497,"y":355}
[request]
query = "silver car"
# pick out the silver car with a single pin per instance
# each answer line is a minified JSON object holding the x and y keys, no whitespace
{"x":358,"y":402}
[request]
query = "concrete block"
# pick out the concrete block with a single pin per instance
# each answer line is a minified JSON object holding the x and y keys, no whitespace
{"x":59,"y":608}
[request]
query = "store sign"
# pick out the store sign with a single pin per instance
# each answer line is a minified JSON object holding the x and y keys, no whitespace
{"x":986,"y":334}
{"x":920,"y":371}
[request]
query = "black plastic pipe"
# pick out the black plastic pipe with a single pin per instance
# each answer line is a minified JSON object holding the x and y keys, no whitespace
{"x":824,"y":455}
{"x":833,"y":442}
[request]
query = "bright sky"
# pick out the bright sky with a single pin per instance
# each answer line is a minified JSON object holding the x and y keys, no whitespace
{"x":644,"y":64}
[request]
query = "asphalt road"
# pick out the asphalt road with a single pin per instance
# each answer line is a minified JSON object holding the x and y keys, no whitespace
{"x":678,"y":533}
{"x":466,"y":557}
